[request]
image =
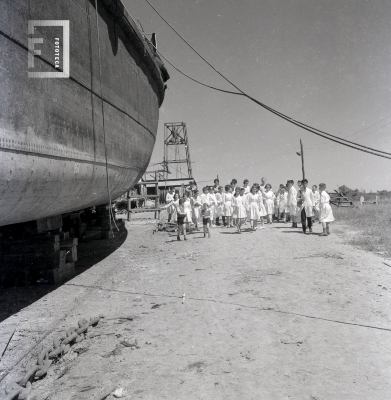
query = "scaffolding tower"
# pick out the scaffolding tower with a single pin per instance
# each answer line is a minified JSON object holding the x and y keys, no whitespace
{"x":176,"y":153}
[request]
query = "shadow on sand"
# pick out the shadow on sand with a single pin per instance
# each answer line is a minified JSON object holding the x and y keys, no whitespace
{"x":90,"y":252}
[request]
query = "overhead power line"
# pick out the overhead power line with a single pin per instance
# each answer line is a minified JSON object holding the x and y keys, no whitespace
{"x":291,"y":120}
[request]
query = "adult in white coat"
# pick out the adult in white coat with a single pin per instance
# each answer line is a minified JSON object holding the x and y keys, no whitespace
{"x":306,"y":196}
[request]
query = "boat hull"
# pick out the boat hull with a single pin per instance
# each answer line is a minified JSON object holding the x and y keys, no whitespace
{"x":70,"y":143}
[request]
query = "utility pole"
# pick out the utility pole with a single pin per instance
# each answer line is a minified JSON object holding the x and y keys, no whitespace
{"x":302,"y":158}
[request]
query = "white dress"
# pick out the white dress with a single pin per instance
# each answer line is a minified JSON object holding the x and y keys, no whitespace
{"x":253,"y":201}
{"x":219,"y":207}
{"x":282,"y":200}
{"x":262,"y":209}
{"x":204,"y":198}
{"x":211,"y":198}
{"x":169,"y":199}
{"x":196,"y":207}
{"x":292,"y":201}
{"x":175,"y":205}
{"x":326,"y":213}
{"x":227,"y":204}
{"x":269,"y":201}
{"x":316,"y":200}
{"x":187,"y":210}
{"x":239,"y":208}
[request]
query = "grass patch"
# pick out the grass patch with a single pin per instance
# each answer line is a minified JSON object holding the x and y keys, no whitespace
{"x":371,"y":223}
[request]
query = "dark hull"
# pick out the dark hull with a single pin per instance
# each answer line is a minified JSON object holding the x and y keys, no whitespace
{"x":52,"y":141}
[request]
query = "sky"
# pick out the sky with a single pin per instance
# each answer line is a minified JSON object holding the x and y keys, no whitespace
{"x":326,"y":63}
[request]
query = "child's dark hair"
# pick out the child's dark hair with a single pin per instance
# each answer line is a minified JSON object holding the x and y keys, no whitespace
{"x":227,"y":187}
{"x":234,"y":181}
{"x":181,"y":201}
{"x":246,"y":181}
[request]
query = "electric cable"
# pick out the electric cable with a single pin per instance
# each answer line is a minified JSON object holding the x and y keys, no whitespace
{"x":302,"y":125}
{"x":177,"y":69}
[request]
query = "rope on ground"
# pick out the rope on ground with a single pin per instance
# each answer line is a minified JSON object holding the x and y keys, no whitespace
{"x":235,"y":304}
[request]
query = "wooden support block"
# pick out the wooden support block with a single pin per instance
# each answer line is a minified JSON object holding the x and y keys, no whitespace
{"x":71,"y":254}
{"x":69,"y":243}
{"x":55,"y":276}
{"x":138,"y":210}
{"x":107,"y":234}
{"x":64,"y":235}
{"x":49,"y":223}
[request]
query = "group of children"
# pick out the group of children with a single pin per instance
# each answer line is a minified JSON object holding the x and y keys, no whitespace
{"x":236,"y":205}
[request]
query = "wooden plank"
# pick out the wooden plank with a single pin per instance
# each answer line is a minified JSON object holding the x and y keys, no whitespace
{"x":71,"y":255}
{"x":49,"y":223}
{"x":138,"y":210}
{"x":69,"y":243}
{"x":140,"y":196}
{"x":64,"y":235}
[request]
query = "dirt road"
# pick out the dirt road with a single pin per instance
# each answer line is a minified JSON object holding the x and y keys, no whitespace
{"x":271,"y":314}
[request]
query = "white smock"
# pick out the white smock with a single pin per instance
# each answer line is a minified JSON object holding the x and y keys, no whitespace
{"x":316,"y":200}
{"x":196,"y":207}
{"x":292,"y":201}
{"x":269,"y":201}
{"x":326,"y":213}
{"x":307,"y":198}
{"x":187,"y":210}
{"x":239,"y":207}
{"x":227,"y":204}
{"x":169,"y":199}
{"x":253,"y":202}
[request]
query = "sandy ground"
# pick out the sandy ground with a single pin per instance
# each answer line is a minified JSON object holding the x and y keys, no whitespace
{"x":271,"y":314}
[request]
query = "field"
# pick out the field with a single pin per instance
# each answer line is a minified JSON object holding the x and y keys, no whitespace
{"x":370,"y":225}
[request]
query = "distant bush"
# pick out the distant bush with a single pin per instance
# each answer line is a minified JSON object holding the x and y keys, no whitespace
{"x":355,"y":194}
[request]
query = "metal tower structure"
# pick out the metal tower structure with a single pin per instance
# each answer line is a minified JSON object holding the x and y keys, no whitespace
{"x":176,"y":152}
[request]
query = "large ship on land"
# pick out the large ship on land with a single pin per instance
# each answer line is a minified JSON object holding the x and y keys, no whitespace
{"x":69,"y":143}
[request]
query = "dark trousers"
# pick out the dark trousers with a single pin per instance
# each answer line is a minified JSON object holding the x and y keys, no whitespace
{"x":305,"y":220}
{"x":224,"y":221}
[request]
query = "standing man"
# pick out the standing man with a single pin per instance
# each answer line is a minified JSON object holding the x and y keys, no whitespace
{"x":307,"y":208}
{"x":292,"y":202}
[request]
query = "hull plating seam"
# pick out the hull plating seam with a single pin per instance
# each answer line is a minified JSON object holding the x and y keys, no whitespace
{"x":77,"y":160}
{"x":7,"y":36}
